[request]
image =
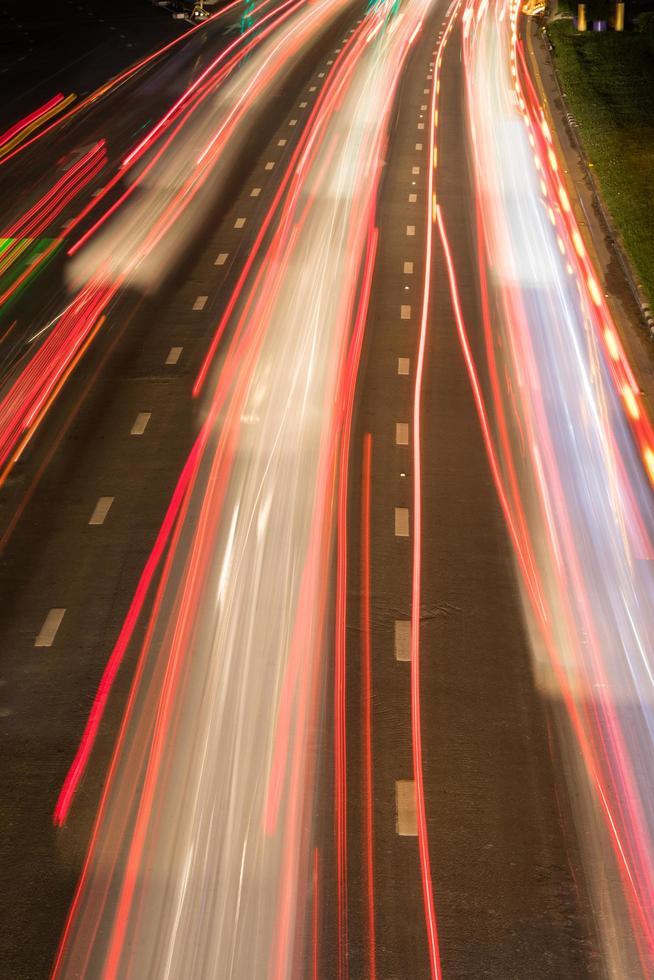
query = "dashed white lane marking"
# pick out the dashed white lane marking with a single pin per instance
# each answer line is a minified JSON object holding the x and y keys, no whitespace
{"x":415,"y":170}
{"x":313,"y":88}
{"x":403,"y":639}
{"x":101,"y":510}
{"x":282,"y":142}
{"x":425,"y":91}
{"x":406,"y":822}
{"x":140,"y":423}
{"x":303,"y":105}
{"x":401,"y":433}
{"x":403,"y":365}
{"x":173,"y":355}
{"x":200,"y":303}
{"x":421,"y":125}
{"x":424,"y":108}
{"x":321,"y":74}
{"x":408,"y":268}
{"x":401,"y":522}
{"x":222,"y":258}
{"x":255,"y":192}
{"x":239,"y":222}
{"x":49,"y":629}
{"x":410,"y":230}
{"x":405,"y":312}
{"x":269,"y":165}
{"x":292,"y":122}
{"x":418,"y":146}
{"x":413,"y":198}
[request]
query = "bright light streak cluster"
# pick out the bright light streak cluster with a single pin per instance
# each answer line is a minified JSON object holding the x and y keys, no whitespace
{"x":203,"y":860}
{"x":571,"y":451}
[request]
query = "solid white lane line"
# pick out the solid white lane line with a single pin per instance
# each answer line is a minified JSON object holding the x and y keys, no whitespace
{"x":406,"y":821}
{"x":402,"y":433}
{"x":401,"y":522}
{"x":101,"y":510}
{"x":403,"y":365}
{"x":255,"y":192}
{"x":173,"y":355}
{"x":49,"y":629}
{"x":402,"y":639}
{"x":269,"y":165}
{"x":239,"y":222}
{"x":413,"y":198}
{"x":222,"y":258}
{"x":410,"y":230}
{"x":405,"y":312}
{"x":140,"y":423}
{"x":200,"y":303}
{"x":408,"y":268}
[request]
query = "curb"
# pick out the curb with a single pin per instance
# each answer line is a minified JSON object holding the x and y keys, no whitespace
{"x":614,"y":240}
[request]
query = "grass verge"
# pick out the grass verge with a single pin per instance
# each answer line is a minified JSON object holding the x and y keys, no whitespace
{"x":608,"y":80}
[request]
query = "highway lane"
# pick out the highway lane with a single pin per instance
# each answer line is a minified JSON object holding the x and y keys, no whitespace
{"x":54,"y":559}
{"x":221,"y":741}
{"x":508,"y":884}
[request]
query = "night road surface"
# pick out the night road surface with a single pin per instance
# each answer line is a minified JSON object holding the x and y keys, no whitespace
{"x":291,"y":681}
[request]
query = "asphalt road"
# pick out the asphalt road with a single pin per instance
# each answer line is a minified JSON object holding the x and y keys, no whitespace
{"x":509,"y":894}
{"x":52,"y":558}
{"x":507,"y":883}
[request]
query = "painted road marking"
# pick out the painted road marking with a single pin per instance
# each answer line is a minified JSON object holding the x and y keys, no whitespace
{"x":321,"y":74}
{"x":239,"y":222}
{"x":303,"y":105}
{"x":408,"y":268}
{"x":403,"y":639}
{"x":282,"y":142}
{"x":415,"y":170}
{"x":425,"y":91}
{"x":406,"y":822}
{"x":418,"y":146}
{"x":173,"y":355}
{"x":405,"y":312}
{"x":222,"y":258}
{"x":269,"y":165}
{"x":413,"y":198}
{"x":255,"y":192}
{"x":313,"y":88}
{"x":200,"y":303}
{"x":410,"y":230}
{"x":424,"y":108}
{"x":403,"y":365}
{"x":101,"y":510}
{"x":140,"y":423}
{"x":402,"y":433}
{"x":421,"y":125}
{"x":401,"y":522}
{"x":293,"y":122}
{"x":49,"y":628}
